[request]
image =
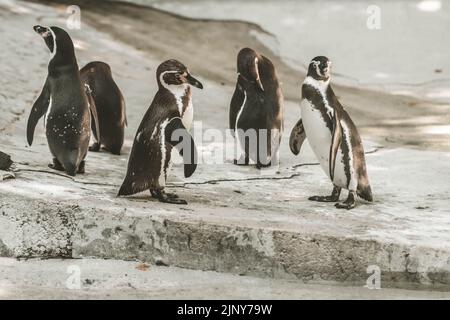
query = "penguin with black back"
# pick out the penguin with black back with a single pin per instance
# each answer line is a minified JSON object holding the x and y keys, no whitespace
{"x":164,"y":126}
{"x":64,"y":103}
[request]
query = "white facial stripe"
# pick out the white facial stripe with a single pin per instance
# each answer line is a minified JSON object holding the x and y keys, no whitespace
{"x":316,"y":66}
{"x":161,"y":78}
{"x":178,"y":90}
{"x":52,"y":54}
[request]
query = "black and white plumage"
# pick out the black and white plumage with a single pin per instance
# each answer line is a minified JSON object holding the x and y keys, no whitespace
{"x":332,"y":136}
{"x":109,"y":104}
{"x":64,"y":103}
{"x":256,"y":109}
{"x":164,"y":126}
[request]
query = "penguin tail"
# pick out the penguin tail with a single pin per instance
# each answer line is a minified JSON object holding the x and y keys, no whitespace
{"x":125,"y":189}
{"x":365,"y":192}
{"x":132,"y":186}
{"x":70,"y":162}
{"x":71,"y":169}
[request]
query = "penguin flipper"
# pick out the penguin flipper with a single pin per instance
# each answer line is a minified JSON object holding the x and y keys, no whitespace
{"x":39,"y":108}
{"x":298,"y":136}
{"x":94,"y":114}
{"x":336,"y":139}
{"x":177,"y":135}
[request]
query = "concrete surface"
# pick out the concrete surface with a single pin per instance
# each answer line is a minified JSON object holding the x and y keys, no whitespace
{"x":110,"y":279}
{"x":238,"y":220}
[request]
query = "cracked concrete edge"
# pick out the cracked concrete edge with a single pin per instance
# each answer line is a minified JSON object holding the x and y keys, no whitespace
{"x":42,"y":229}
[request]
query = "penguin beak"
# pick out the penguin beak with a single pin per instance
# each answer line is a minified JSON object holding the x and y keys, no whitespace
{"x":42,"y":31}
{"x":192,"y":81}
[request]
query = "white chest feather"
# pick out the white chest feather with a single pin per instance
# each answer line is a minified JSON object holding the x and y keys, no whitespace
{"x":179,"y":92}
{"x":320,"y":138}
{"x":317,"y":133}
{"x":188,"y":115}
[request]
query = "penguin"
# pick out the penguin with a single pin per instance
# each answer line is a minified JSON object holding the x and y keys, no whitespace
{"x":64,"y":103}
{"x":256,"y":110}
{"x":164,"y":126}
{"x":109,"y":104}
{"x":332,"y":136}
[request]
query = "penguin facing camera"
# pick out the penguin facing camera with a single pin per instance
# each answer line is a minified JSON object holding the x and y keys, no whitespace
{"x":332,"y":136}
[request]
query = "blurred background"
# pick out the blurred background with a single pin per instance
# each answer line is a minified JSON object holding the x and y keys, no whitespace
{"x":390,"y":59}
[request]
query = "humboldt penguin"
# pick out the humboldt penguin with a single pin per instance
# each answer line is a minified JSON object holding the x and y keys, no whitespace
{"x":164,"y":126}
{"x":64,"y":103}
{"x":256,"y":110}
{"x":110,"y":106}
{"x":332,"y":136}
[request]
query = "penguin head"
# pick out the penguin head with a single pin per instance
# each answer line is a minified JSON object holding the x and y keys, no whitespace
{"x":248,"y":67}
{"x":320,"y":68}
{"x":174,"y":73}
{"x":58,"y":42}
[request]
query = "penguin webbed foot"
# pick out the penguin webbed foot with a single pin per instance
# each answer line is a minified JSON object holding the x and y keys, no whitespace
{"x":167,"y":197}
{"x":56,"y":165}
{"x":348,"y":204}
{"x":95,"y":147}
{"x":334,"y":197}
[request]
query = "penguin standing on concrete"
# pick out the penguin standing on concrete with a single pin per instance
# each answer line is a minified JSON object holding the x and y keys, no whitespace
{"x":256,"y":109}
{"x":64,"y":103}
{"x":110,"y":106}
{"x":332,"y":136}
{"x":164,"y":126}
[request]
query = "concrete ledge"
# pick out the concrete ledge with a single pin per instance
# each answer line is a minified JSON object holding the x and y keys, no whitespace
{"x":49,"y":229}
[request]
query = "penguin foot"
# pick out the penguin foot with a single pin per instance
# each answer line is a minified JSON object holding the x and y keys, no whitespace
{"x":333,"y":198}
{"x":172,"y":195}
{"x":114,"y":151}
{"x":348,"y":204}
{"x":167,"y":197}
{"x":56,"y":165}
{"x":95,"y":147}
{"x":323,"y":198}
{"x":81,"y":167}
